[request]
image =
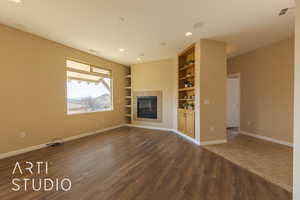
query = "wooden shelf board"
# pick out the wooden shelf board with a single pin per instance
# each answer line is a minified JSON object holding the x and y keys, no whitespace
{"x":128,"y":97}
{"x":186,"y":77}
{"x":186,"y":89}
{"x":128,"y":106}
{"x":186,"y":109}
{"x":186,"y":67}
{"x":127,"y":88}
{"x":128,"y":115}
{"x":128,"y":76}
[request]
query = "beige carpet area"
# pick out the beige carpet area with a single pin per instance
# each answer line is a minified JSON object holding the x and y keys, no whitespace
{"x":271,"y":161}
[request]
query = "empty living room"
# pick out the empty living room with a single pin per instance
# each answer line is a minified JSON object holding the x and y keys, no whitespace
{"x":150,"y":100}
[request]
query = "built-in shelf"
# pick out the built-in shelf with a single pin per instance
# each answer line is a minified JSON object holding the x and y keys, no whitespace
{"x":186,"y":67}
{"x":128,"y":97}
{"x":186,"y":89}
{"x":186,"y":104}
{"x":186,"y":77}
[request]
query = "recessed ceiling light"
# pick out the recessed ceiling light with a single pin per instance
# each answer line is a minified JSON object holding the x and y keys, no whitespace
{"x":139,"y":59}
{"x":16,"y":1}
{"x":121,"y":50}
{"x":163,"y":43}
{"x":187,"y":34}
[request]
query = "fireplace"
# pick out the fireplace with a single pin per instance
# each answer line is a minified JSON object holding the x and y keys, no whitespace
{"x":147,"y":107}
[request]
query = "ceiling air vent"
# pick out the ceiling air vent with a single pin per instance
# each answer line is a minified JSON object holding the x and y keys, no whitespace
{"x":285,"y":11}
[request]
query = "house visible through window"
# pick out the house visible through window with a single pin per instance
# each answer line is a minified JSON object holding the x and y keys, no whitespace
{"x":88,"y":88}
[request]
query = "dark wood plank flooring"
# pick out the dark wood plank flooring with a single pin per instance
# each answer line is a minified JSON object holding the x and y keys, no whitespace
{"x":131,"y":163}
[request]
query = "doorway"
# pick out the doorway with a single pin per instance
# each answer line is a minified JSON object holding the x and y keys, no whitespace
{"x":233,"y":103}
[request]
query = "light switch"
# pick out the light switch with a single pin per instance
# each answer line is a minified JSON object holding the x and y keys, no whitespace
{"x":22,"y":134}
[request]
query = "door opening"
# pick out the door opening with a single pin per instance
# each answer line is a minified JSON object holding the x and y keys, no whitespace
{"x":233,"y":102}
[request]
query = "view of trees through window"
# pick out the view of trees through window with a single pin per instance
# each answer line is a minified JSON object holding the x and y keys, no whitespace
{"x":88,"y":97}
{"x":88,"y":88}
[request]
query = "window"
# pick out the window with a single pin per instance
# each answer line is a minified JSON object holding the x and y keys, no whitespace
{"x":88,"y":88}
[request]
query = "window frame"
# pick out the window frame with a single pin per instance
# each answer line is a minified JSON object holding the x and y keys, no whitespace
{"x":91,"y":70}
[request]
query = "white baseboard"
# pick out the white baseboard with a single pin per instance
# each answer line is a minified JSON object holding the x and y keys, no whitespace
{"x":149,"y":127}
{"x":213,"y":142}
{"x":165,"y":129}
{"x":91,"y":133}
{"x":40,"y":146}
{"x":267,"y":138}
{"x":21,"y":151}
{"x":186,"y":137}
{"x":180,"y":134}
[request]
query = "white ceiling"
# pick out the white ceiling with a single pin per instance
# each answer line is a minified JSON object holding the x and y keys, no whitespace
{"x":97,"y":24}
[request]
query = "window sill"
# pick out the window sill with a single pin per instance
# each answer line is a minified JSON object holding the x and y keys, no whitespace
{"x":90,"y":112}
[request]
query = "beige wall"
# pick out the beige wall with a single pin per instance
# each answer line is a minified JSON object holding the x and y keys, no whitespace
{"x":267,"y":90}
{"x":212,"y":88}
{"x":158,"y":75}
{"x":296,"y":173}
{"x":33,"y":92}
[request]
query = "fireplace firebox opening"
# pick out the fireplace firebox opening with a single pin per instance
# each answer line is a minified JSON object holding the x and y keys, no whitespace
{"x":147,"y":107}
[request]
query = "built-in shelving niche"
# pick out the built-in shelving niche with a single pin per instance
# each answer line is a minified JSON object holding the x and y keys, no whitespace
{"x":186,"y":79}
{"x":186,"y":92}
{"x":128,"y":96}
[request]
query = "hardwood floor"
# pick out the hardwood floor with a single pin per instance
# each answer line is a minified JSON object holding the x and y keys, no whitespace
{"x":131,"y":163}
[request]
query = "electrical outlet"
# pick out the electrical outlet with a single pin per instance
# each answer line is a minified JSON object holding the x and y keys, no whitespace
{"x":212,"y":128}
{"x":22,"y":134}
{"x":249,"y":123}
{"x":206,"y":101}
